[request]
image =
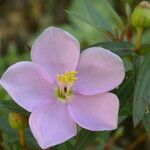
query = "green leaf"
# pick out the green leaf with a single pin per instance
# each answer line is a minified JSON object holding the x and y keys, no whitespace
{"x":96,"y":17}
{"x":125,"y":94}
{"x":31,"y":142}
{"x":119,"y":48}
{"x":4,"y":126}
{"x":146,"y":122}
{"x":113,"y":14}
{"x":65,"y":146}
{"x":142,"y":90}
{"x":85,"y":20}
{"x":137,"y":61}
{"x":10,"y":136}
{"x":84,"y":138}
{"x":104,"y":31}
{"x":12,"y":106}
{"x":127,"y":64}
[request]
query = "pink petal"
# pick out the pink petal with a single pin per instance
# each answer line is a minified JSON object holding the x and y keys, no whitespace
{"x":56,"y":50}
{"x":27,"y":84}
{"x":99,"y":71}
{"x":96,"y":113}
{"x":52,"y":124}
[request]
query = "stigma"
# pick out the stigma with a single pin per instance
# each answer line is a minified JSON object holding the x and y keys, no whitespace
{"x":64,"y":91}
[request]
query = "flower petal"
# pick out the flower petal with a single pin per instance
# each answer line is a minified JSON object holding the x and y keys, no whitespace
{"x":27,"y":84}
{"x":52,"y":124}
{"x":56,"y":50}
{"x":96,"y":113}
{"x":99,"y":71}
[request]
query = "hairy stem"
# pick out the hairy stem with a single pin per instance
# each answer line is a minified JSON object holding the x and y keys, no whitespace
{"x":22,"y":139}
{"x":138,"y":39}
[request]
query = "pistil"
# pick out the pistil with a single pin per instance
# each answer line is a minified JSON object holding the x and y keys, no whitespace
{"x":65,"y":83}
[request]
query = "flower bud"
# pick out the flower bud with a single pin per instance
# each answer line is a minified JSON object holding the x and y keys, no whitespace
{"x":18,"y":121}
{"x":140,"y":17}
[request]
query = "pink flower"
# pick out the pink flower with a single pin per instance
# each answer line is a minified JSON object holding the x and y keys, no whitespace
{"x":62,"y":88}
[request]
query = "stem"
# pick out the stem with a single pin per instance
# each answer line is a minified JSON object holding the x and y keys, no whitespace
{"x":22,"y":139}
{"x":138,"y":39}
{"x":137,"y":141}
{"x":112,"y":141}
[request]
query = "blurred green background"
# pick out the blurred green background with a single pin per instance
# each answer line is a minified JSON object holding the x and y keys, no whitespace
{"x":21,"y":21}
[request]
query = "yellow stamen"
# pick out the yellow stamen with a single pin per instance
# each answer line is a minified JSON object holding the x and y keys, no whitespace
{"x":65,"y":83}
{"x":67,"y":77}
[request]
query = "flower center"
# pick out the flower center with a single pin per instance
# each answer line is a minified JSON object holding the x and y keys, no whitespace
{"x":65,"y":82}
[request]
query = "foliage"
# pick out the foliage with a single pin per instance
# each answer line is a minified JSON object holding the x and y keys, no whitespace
{"x":94,"y":23}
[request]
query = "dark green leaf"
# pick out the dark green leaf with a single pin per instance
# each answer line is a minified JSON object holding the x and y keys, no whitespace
{"x":10,"y":136}
{"x":12,"y":106}
{"x":2,"y":93}
{"x":145,"y":48}
{"x":146,"y":122}
{"x":31,"y":142}
{"x":119,"y":48}
{"x":84,"y":138}
{"x":142,"y":90}
{"x":4,"y":126}
{"x":127,"y":64}
{"x":125,"y":94}
{"x":136,"y":65}
{"x":65,"y":146}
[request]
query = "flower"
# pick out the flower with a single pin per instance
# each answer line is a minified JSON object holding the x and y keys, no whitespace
{"x":140,"y":17}
{"x":18,"y":121}
{"x":62,"y":88}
